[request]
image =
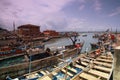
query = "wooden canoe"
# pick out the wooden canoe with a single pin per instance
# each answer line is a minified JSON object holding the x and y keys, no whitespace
{"x":89,"y":68}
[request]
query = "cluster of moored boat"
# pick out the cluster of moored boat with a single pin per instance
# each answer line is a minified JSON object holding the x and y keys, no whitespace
{"x":96,"y":65}
{"x":104,"y":38}
{"x":84,"y":68}
{"x":38,"y":60}
{"x":7,"y":51}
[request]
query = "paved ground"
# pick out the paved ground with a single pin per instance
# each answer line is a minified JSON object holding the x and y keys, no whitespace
{"x":116,"y":73}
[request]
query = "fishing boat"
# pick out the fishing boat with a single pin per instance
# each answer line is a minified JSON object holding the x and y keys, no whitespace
{"x":96,"y":36}
{"x":46,"y":39}
{"x":84,"y":67}
{"x":84,"y":35}
{"x":101,"y":69}
{"x":37,"y":61}
{"x":8,"y":51}
{"x":94,"y":45}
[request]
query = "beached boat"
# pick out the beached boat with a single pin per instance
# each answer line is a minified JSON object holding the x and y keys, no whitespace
{"x":96,"y":36}
{"x":46,"y":39}
{"x":93,"y":66}
{"x":84,"y":35}
{"x":101,"y":69}
{"x":94,"y":45}
{"x":37,"y":61}
{"x":8,"y":51}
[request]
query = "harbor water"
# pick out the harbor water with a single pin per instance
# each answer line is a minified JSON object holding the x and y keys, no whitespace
{"x":66,"y":41}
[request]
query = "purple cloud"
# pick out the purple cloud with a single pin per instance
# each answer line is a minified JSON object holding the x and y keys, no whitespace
{"x":115,"y":12}
{"x":52,"y":14}
{"x":82,"y":7}
{"x":82,"y":1}
{"x":97,"y":5}
{"x":30,"y":11}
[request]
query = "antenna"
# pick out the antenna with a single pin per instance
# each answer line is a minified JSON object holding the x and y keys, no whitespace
{"x":14,"y":26}
{"x":116,"y":35}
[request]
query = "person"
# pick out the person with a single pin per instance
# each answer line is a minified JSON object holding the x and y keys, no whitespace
{"x":92,"y":55}
{"x":91,"y":63}
{"x":48,"y":52}
{"x":98,"y":51}
{"x":71,"y":64}
{"x":86,"y":51}
{"x":57,"y":52}
{"x":79,"y":60}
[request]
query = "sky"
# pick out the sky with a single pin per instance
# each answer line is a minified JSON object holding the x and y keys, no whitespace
{"x":61,"y":15}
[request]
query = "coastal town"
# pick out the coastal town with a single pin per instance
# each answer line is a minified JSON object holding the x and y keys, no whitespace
{"x":26,"y":46}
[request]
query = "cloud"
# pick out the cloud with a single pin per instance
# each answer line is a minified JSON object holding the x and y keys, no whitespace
{"x":97,"y":5}
{"x":60,"y":22}
{"x":29,"y":11}
{"x":82,"y":1}
{"x":82,"y":7}
{"x":82,"y":4}
{"x":115,"y":12}
{"x":76,"y":24}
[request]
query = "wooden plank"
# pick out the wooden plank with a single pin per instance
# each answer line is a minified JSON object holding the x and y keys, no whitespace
{"x":105,"y":60}
{"x":63,"y":70}
{"x":36,"y":74}
{"x":73,"y":70}
{"x":47,"y":71}
{"x":103,"y":68}
{"x":43,"y":72}
{"x":104,"y":64}
{"x":31,"y":76}
{"x":83,"y":59}
{"x":79,"y":66}
{"x":88,"y":76}
{"x":54,"y":73}
{"x":83,"y":63}
{"x":106,"y":57}
{"x":98,"y":73}
{"x":45,"y":78}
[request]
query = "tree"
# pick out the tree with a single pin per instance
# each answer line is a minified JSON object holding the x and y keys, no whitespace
{"x":73,"y":37}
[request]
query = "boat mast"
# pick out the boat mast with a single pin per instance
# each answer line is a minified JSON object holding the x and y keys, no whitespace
{"x":30,"y":60}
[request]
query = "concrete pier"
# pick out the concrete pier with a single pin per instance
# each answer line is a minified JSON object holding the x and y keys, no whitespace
{"x":116,"y":73}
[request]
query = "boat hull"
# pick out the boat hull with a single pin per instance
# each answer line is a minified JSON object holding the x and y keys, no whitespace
{"x":36,"y":64}
{"x":94,"y":45}
{"x":23,"y":68}
{"x":87,"y":68}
